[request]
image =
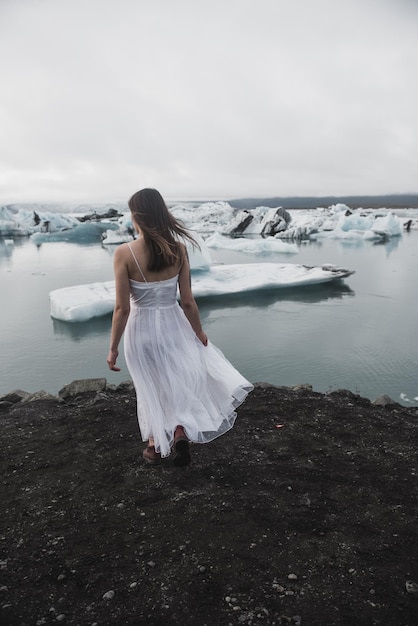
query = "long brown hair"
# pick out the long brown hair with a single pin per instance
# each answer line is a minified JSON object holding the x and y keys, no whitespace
{"x":160,"y":229}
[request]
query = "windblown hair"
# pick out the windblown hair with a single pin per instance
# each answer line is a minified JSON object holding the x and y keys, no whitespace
{"x":160,"y":229}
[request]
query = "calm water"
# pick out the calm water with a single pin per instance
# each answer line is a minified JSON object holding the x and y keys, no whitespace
{"x":359,"y":334}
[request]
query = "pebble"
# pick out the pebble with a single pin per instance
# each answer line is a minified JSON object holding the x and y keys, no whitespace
{"x":4,"y":588}
{"x":61,"y":617}
{"x":292,"y":577}
{"x":151,"y":563}
{"x":202,"y":569}
{"x":109,"y":595}
{"x":61,"y":577}
{"x":133,"y":585}
{"x":41,"y":622}
{"x":411,"y":587}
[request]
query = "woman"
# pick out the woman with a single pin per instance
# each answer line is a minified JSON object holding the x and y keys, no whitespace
{"x":186,"y":389}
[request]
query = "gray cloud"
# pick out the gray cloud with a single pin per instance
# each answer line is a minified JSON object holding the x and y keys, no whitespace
{"x":214,"y":98}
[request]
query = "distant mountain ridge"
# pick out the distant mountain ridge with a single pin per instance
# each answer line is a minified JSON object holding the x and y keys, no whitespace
{"x":312,"y":202}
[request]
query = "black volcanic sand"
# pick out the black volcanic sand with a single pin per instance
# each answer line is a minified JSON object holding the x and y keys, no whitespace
{"x":312,"y":523}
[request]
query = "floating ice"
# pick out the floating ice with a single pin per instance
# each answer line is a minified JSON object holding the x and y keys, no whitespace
{"x":83,"y":302}
{"x":388,"y":226}
{"x":115,"y":237}
{"x":88,"y":232}
{"x":251,"y":246}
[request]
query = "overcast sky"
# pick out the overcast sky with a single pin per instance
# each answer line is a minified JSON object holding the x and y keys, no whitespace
{"x":207,"y":98}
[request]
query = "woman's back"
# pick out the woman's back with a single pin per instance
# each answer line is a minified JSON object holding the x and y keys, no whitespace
{"x":137,"y":259}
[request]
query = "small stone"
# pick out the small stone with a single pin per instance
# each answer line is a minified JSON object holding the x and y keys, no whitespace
{"x":4,"y":588}
{"x":202,"y":569}
{"x":236,"y":608}
{"x":60,"y":617}
{"x":133,"y":585}
{"x":297,"y":620}
{"x":151,"y":563}
{"x":411,"y":587}
{"x":61,"y":577}
{"x":292,"y":577}
{"x":41,"y":622}
{"x":289,"y":592}
{"x":228,"y":599}
{"x":109,"y":595}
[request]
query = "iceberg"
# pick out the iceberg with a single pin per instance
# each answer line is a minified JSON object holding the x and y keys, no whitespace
{"x":80,"y":303}
{"x":387,"y":226}
{"x":215,"y":217}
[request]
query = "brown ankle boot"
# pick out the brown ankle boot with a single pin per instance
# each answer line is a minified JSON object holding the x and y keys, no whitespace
{"x":151,"y":456}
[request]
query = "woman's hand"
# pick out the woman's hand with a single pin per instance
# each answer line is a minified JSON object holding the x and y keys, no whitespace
{"x":202,"y":336}
{"x":111,"y":360}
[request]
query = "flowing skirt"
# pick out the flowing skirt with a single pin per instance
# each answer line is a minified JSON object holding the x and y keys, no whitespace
{"x":178,"y":380}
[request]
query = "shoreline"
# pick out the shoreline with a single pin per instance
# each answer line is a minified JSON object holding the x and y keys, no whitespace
{"x":303,"y":514}
{"x":100,"y":385}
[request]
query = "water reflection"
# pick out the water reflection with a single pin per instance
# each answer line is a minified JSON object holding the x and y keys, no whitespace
{"x":7,"y":248}
{"x":77,"y":331}
{"x":310,"y":294}
{"x":390,"y":244}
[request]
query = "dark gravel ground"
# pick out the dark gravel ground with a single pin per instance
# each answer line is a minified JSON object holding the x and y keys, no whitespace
{"x":312,"y":523}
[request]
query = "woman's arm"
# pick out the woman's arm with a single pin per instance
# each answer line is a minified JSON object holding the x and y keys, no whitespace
{"x":121,"y":309}
{"x":188,"y":303}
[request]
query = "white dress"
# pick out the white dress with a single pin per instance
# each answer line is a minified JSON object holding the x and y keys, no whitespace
{"x":178,"y":380}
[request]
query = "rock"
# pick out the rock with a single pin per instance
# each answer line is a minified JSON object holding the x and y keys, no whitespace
{"x":109,"y":595}
{"x":383,"y":401}
{"x":301,"y":387}
{"x":78,"y":387}
{"x":39,"y":395}
{"x":15,"y":396}
{"x":411,"y":587}
{"x":126,"y":385}
{"x":292,"y":577}
{"x":263,"y":385}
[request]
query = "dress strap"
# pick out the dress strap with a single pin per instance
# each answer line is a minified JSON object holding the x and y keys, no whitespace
{"x":136,"y":261}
